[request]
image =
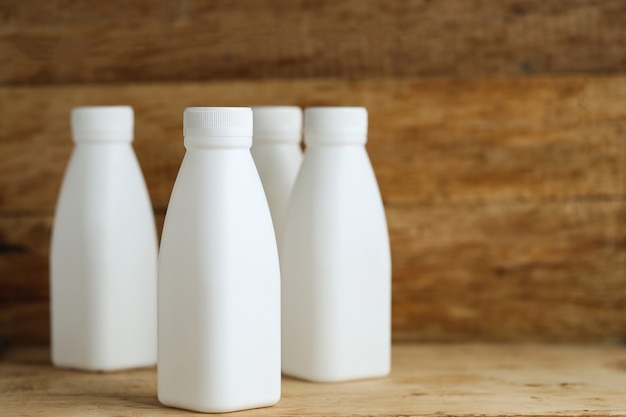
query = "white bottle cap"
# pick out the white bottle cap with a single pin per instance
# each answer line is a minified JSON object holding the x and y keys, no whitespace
{"x":277,"y":124}
{"x":102,"y":124}
{"x":217,"y":121}
{"x":335,"y":125}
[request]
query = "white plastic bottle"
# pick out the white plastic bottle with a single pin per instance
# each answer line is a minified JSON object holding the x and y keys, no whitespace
{"x":335,"y":256}
{"x":103,"y":261}
{"x":219,"y":279}
{"x":277,"y":154}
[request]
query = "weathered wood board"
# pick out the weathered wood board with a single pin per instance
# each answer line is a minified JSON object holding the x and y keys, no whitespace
{"x":61,"y":41}
{"x":431,"y":142}
{"x":506,"y":198}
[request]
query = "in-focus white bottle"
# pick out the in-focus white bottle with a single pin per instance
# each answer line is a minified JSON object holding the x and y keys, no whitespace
{"x":277,"y":154}
{"x":219,"y":278}
{"x":335,"y":256}
{"x":103,"y":261}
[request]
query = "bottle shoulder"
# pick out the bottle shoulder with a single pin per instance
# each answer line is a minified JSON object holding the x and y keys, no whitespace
{"x":336,"y":192}
{"x":216,"y":195}
{"x":344,"y":173}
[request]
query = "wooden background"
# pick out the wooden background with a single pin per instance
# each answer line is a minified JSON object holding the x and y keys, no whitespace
{"x":497,"y":132}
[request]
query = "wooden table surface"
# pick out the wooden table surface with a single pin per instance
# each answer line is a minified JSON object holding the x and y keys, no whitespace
{"x":441,"y":380}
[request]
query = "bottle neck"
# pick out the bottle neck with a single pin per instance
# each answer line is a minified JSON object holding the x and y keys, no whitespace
{"x":335,"y":140}
{"x":277,"y":138}
{"x":91,"y":140}
{"x":276,"y":143}
{"x":203,"y":142}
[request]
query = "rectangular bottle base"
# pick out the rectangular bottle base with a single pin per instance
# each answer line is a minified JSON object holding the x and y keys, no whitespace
{"x":327,"y":378}
{"x":217,"y":408}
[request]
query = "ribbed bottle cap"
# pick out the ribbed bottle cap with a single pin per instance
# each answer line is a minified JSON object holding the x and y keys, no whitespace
{"x":335,"y":125}
{"x":102,"y":124}
{"x":217,"y":121}
{"x":277,"y":124}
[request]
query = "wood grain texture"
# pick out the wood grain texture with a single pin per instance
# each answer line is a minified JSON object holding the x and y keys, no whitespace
{"x":498,"y":273}
{"x":60,"y":41}
{"x":434,"y":141}
{"x":429,"y":380}
{"x":510,"y":273}
{"x":25,"y":322}
{"x":506,"y":198}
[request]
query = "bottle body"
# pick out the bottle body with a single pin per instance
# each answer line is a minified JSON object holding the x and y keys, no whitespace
{"x":219,"y":284}
{"x":336,"y":270}
{"x":278,"y":164}
{"x":103,"y":263}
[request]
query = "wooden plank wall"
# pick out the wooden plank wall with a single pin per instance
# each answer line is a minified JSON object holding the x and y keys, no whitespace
{"x":497,"y":132}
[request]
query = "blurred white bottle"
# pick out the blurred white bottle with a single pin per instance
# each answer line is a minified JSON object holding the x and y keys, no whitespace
{"x":335,"y":256}
{"x":277,"y":154}
{"x":219,"y":279}
{"x":103,"y":261}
